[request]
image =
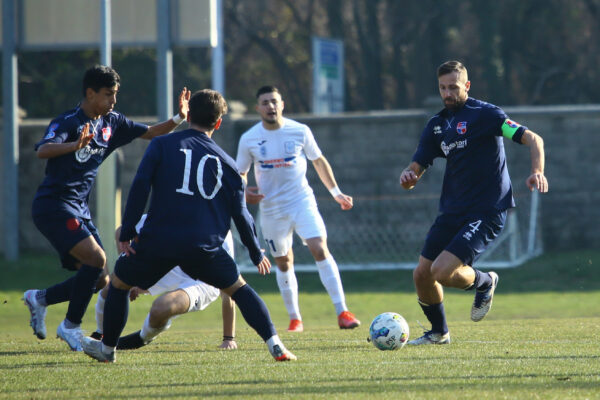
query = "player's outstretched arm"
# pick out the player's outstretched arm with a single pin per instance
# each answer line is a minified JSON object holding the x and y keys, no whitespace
{"x":325,"y":173}
{"x":228,"y":312}
{"x":251,"y":192}
{"x":167,"y":126}
{"x":537,"y":179}
{"x":410,"y":175}
{"x":51,"y":150}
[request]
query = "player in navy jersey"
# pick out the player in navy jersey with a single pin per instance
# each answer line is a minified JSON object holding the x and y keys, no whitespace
{"x":75,"y":144}
{"x":196,"y":191}
{"x":476,"y":194}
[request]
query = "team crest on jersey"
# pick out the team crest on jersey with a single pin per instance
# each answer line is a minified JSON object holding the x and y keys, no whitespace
{"x":263,"y":151}
{"x":437,"y":130}
{"x":289,"y":147}
{"x":512,"y":124}
{"x":461,"y":127}
{"x":51,"y":132}
{"x":106,"y":133}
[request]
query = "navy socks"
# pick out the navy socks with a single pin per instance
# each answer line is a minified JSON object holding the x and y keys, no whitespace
{"x":83,"y":287}
{"x":58,"y":293}
{"x":254,"y":311}
{"x":116,"y":311}
{"x":483,"y":280}
{"x":436,"y":315}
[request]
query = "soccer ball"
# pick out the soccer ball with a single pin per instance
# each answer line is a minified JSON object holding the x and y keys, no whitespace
{"x":388,"y":331}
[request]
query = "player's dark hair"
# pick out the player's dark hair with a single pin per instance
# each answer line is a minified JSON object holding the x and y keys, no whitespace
{"x":266,"y":89}
{"x":206,"y":107}
{"x":452,"y":66}
{"x":100,"y":76}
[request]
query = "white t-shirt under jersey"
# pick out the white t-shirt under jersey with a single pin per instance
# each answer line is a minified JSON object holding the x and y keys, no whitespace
{"x":279,"y":158}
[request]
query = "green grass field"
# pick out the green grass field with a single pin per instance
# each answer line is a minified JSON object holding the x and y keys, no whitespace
{"x":540,"y":341}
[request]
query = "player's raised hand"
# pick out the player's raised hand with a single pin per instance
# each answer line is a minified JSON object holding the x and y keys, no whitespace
{"x":135,"y":292}
{"x":184,"y":98}
{"x":252,"y":195}
{"x":264,"y":266}
{"x":345,"y":201}
{"x":537,"y":181}
{"x":85,"y":137}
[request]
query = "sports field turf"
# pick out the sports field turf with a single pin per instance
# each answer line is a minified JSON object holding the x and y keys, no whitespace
{"x":540,"y":341}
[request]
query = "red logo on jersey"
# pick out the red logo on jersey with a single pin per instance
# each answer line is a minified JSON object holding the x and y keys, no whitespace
{"x":461,"y":128}
{"x":106,"y":133}
{"x":73,"y":224}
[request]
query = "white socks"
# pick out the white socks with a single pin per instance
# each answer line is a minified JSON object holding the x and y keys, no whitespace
{"x":148,"y":333}
{"x":330,"y":277}
{"x":274,"y":340}
{"x":288,"y":286}
{"x":100,"y":313}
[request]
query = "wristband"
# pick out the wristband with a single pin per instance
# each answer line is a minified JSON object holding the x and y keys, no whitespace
{"x":228,"y":337}
{"x":177,"y":119}
{"x":335,"y":191}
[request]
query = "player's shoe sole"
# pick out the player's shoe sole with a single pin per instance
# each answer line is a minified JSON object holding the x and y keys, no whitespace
{"x":347,"y":320}
{"x":431,"y":338}
{"x":483,"y":300}
{"x":93,"y":348}
{"x":37,"y":312}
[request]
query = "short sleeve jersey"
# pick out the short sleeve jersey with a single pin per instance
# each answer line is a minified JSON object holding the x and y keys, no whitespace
{"x":70,"y":177}
{"x":196,"y":191}
{"x":279,"y":159}
{"x":476,"y":176}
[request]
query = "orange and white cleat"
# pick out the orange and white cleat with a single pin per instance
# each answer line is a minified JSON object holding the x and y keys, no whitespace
{"x":280,"y":353}
{"x":296,"y":325}
{"x":347,"y":320}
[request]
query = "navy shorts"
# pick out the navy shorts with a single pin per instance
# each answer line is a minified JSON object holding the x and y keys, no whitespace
{"x":466,"y":235}
{"x":64,"y":230}
{"x":148,"y":265}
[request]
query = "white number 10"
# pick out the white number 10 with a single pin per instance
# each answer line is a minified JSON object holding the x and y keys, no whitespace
{"x":185,"y":187}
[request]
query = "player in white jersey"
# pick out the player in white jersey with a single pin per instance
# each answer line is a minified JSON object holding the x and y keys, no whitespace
{"x":180,"y":294}
{"x":278,"y":148}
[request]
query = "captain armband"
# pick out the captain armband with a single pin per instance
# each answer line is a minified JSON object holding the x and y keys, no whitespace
{"x":510,"y":128}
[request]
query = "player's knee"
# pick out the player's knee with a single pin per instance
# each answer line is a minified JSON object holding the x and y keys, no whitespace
{"x":421,"y":275}
{"x":102,"y":282}
{"x":441,"y":273}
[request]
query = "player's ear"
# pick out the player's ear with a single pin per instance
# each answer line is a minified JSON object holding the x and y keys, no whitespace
{"x":467,"y":85}
{"x":218,"y":124}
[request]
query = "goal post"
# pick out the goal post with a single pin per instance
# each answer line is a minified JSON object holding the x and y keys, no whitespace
{"x":382,"y":235}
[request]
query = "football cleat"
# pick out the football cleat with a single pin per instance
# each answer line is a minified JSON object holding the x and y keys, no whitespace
{"x":280,"y":353}
{"x":96,"y":335}
{"x":347,"y":320}
{"x":431,"y":337}
{"x":296,"y":325}
{"x":93,"y":348}
{"x":73,"y":337}
{"x":37,"y":319}
{"x":483,"y":300}
{"x":131,"y":341}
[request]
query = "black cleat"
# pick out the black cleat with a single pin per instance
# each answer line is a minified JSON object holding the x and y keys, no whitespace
{"x":96,"y":335}
{"x":131,"y":341}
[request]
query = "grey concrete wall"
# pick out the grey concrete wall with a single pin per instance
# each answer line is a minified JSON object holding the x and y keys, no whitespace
{"x":368,"y":151}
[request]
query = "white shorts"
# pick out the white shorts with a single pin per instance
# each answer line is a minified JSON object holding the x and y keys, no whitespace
{"x":201,"y":294}
{"x":278,"y":229}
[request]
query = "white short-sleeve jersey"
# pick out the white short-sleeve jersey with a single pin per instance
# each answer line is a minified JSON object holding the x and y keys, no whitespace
{"x":279,"y":159}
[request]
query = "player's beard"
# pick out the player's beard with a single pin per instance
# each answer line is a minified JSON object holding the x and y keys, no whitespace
{"x":454,"y":105}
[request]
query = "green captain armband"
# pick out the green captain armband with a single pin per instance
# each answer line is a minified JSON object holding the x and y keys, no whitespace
{"x":509,"y":128}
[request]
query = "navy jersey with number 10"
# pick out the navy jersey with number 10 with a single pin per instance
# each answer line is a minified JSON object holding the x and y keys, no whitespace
{"x":476,"y":176}
{"x":196,"y":191}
